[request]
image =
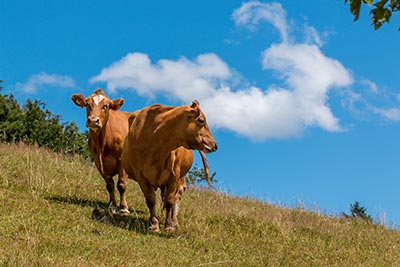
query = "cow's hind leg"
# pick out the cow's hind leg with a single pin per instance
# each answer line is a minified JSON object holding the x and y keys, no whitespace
{"x":110,"y":186}
{"x":150,"y":196}
{"x":175,"y":209}
{"x":121,"y":186}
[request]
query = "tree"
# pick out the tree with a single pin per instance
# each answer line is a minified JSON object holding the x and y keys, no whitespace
{"x":35,"y":124}
{"x":197,"y":175}
{"x":42,"y":127}
{"x":75,"y":142}
{"x":358,"y":211}
{"x":381,"y":11}
{"x":11,"y":117}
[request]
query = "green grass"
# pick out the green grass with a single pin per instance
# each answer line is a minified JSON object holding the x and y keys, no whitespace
{"x":53,"y":212}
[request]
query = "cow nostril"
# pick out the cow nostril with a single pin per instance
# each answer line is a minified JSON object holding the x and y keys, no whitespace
{"x":216,"y":147}
{"x":95,"y":120}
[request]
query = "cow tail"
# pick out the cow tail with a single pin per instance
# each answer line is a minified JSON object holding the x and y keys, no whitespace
{"x":206,"y":169}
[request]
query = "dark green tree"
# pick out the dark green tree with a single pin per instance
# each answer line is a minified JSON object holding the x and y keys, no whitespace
{"x":197,"y":175}
{"x":358,"y":211}
{"x":42,"y":127}
{"x":381,"y":11}
{"x":75,"y":142}
{"x":11,"y":117}
{"x":35,"y":124}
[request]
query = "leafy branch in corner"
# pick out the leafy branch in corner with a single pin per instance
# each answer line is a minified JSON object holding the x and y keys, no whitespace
{"x":381,"y":10}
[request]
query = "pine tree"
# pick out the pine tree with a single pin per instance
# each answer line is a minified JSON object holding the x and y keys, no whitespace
{"x":358,"y":211}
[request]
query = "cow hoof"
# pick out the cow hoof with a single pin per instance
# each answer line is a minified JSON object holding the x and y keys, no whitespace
{"x":124,"y":211}
{"x":169,"y":229}
{"x":113,"y":210}
{"x":154,"y":228}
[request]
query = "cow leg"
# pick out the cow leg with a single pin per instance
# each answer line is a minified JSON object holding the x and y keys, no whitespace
{"x":110,"y":186}
{"x":175,"y":209}
{"x":171,"y":206}
{"x":177,"y":199}
{"x":150,"y":196}
{"x":121,"y":186}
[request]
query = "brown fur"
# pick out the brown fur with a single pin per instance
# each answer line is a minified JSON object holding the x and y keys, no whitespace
{"x":157,"y":153}
{"x":108,"y":127}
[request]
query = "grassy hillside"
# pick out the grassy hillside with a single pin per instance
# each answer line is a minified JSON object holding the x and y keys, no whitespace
{"x":53,"y":212}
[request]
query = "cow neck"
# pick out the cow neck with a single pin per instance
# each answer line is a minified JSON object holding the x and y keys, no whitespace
{"x":168,"y":131}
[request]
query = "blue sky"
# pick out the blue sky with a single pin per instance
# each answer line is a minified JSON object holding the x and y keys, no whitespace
{"x":304,"y":103}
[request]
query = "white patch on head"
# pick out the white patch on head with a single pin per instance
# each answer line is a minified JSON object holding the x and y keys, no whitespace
{"x":97,"y":99}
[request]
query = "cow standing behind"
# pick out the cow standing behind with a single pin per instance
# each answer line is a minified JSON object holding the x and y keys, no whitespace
{"x":108,"y":127}
{"x":157,"y":153}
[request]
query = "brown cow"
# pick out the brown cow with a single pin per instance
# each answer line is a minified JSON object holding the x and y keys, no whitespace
{"x":157,"y":153}
{"x":108,"y":127}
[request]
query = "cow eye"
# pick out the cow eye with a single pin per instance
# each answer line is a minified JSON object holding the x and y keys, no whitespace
{"x":201,"y":120}
{"x":105,"y":107}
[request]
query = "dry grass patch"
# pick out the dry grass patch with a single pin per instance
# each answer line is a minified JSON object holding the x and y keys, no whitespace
{"x":54,"y":213}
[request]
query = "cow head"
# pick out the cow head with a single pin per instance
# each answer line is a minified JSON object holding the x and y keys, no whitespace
{"x":97,"y":106}
{"x":198,"y":135}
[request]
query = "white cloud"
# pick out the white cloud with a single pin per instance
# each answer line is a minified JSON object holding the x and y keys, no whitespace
{"x":371,"y":85}
{"x":311,"y":36}
{"x":372,"y":100}
{"x":309,"y":74}
{"x":254,"y":113}
{"x":182,"y":79}
{"x":251,"y":13}
{"x":280,"y":111}
{"x":391,"y":114}
{"x":44,"y":79}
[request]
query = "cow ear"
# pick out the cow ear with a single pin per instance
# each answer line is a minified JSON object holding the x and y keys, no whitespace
{"x":195,"y":108}
{"x":117,"y":103}
{"x":195,"y":104}
{"x":79,"y":100}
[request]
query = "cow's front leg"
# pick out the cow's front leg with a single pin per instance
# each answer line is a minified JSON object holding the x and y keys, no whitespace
{"x":121,"y":186}
{"x":110,"y":186}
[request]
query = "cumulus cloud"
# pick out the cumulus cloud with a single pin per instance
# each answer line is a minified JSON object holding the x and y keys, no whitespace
{"x":309,"y":75}
{"x":282,"y":110}
{"x":182,"y":79}
{"x":44,"y":79}
{"x":254,"y":113}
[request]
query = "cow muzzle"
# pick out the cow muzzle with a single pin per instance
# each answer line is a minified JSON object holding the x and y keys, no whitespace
{"x":93,"y":123}
{"x":210,"y":147}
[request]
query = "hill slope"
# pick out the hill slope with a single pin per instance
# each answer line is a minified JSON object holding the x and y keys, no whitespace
{"x":53,"y":213}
